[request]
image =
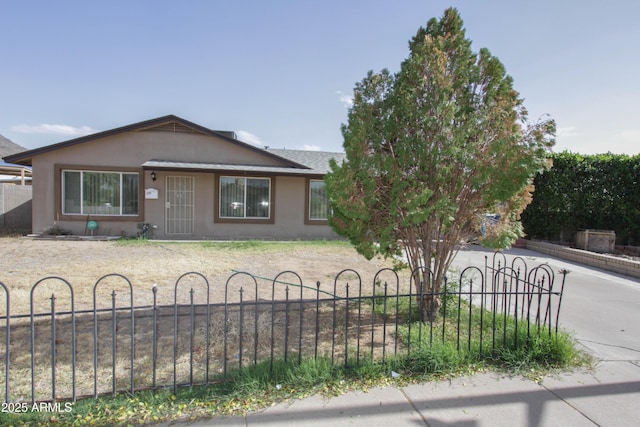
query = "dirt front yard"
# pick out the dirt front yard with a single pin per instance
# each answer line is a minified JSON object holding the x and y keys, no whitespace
{"x":24,"y":262}
{"x":43,"y":275}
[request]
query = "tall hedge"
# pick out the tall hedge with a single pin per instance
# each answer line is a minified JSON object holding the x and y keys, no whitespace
{"x":586,"y":192}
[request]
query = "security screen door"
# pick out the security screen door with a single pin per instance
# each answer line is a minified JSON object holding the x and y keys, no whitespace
{"x":179,"y":205}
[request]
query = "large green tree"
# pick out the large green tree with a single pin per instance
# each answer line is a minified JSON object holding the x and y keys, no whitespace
{"x":430,"y":150}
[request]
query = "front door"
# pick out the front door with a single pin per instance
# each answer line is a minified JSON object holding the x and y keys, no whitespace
{"x":179,"y":205}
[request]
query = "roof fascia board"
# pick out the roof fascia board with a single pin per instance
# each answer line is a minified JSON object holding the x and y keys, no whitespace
{"x":310,"y":174}
{"x":237,"y":169}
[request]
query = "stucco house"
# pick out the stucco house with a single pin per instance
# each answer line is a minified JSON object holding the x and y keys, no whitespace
{"x":174,"y":179}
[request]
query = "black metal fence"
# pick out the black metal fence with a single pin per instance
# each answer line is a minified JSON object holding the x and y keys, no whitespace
{"x":65,"y":353}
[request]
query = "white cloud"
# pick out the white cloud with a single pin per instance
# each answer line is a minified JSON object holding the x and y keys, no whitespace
{"x":249,"y":138}
{"x":50,"y":129}
{"x":567,"y":131}
{"x":346,"y":100}
{"x":629,"y":136}
{"x":308,"y":147}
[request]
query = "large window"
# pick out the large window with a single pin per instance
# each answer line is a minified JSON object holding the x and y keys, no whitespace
{"x":319,"y":208}
{"x":245,"y":197}
{"x":99,"y":193}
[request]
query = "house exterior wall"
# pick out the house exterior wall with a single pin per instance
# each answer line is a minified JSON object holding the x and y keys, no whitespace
{"x":130,"y":150}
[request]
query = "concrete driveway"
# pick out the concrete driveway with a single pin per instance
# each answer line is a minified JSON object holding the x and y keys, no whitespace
{"x":601,"y":308}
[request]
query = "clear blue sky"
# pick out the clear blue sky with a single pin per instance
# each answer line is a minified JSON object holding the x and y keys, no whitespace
{"x":280,"y":73}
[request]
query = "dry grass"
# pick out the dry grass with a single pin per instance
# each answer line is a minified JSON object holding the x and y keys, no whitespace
{"x":24,"y":262}
{"x":133,"y":269}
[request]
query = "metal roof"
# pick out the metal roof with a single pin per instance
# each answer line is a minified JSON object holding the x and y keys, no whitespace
{"x":14,"y":173}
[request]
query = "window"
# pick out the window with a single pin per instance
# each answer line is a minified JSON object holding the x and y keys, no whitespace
{"x":245,"y":197}
{"x":99,"y":193}
{"x":319,"y":208}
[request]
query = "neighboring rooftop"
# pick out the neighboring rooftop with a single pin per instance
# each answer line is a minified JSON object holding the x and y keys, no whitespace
{"x":10,"y":172}
{"x":316,"y":160}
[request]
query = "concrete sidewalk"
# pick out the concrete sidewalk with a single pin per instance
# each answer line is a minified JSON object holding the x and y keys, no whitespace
{"x":607,"y":396}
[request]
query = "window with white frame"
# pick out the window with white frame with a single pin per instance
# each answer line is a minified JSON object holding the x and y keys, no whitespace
{"x":319,"y":208}
{"x":242,"y":197}
{"x":100,"y":193}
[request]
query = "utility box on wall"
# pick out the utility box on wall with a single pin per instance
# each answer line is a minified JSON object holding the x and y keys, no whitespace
{"x":601,"y":241}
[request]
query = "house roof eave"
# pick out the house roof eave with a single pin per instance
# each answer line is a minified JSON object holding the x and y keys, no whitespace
{"x":169,"y":165}
{"x":26,"y":157}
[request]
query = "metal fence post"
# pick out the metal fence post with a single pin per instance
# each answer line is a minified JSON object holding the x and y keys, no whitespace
{"x":7,"y":353}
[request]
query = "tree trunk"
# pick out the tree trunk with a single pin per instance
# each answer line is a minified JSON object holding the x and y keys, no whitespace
{"x":429,"y":302}
{"x":430,"y":308}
